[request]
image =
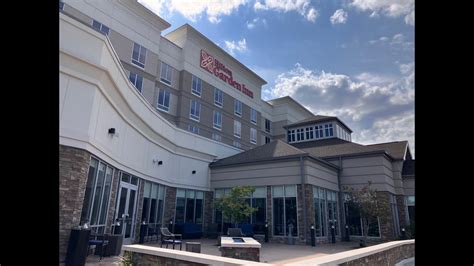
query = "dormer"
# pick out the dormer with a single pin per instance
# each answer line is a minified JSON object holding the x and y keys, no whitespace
{"x":316,"y":128}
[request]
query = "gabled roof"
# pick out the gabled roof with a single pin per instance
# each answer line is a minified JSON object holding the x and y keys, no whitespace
{"x":408,"y":168}
{"x":318,"y":119}
{"x":274,"y":149}
{"x":338,"y":147}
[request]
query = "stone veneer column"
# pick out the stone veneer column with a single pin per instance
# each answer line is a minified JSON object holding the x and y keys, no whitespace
{"x":269,"y":212}
{"x":299,"y":214}
{"x":139,"y":208}
{"x":113,"y":199}
{"x":401,"y":211}
{"x":208,"y":209}
{"x":309,"y":211}
{"x":386,"y":221}
{"x":73,"y":170}
{"x":170,"y":205}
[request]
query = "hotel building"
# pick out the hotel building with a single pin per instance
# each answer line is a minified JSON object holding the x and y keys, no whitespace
{"x":155,"y":127}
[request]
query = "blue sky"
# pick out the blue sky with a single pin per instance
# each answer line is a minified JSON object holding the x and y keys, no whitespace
{"x":353,"y":58}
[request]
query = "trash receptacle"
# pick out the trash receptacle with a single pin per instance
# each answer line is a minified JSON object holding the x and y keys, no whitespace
{"x":143,"y":230}
{"x":291,"y":240}
{"x":77,"y":247}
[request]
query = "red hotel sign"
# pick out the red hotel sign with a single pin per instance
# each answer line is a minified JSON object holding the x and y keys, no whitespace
{"x":212,"y":65}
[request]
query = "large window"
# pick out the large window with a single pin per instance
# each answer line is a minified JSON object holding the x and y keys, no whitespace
{"x":284,"y":210}
{"x":291,"y":135}
{"x":299,"y":134}
{"x":138,"y":55}
{"x":217,"y":120}
{"x":218,"y":97}
{"x":237,"y":108}
{"x":319,"y":201}
{"x":164,"y":100}
{"x":319,"y":132}
{"x":253,"y":115}
{"x":333,"y":216}
{"x":153,"y":204}
{"x":97,"y":195}
{"x":253,"y":135}
{"x":196,"y":86}
{"x":309,"y":133}
{"x":328,"y":130}
{"x":189,"y":206}
{"x":267,"y":125}
{"x":354,"y":221}
{"x":136,"y":80}
{"x":165,"y":73}
{"x":195,"y":110}
{"x":237,"y":128}
{"x":410,"y":202}
{"x":394,"y":208}
{"x":100,"y":27}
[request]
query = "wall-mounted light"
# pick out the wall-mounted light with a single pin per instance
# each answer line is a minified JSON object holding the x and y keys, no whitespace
{"x":158,"y":162}
{"x":194,"y":171}
{"x":112,"y":130}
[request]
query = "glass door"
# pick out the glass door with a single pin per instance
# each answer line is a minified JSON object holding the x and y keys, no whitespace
{"x":125,"y":211}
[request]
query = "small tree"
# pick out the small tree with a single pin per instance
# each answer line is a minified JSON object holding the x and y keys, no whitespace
{"x":233,"y":205}
{"x":364,"y":200}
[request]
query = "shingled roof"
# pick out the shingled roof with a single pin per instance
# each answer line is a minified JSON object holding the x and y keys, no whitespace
{"x":274,"y":149}
{"x":337,"y":147}
{"x":317,"y":119}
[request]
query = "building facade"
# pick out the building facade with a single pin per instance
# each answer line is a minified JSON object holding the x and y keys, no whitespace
{"x":149,"y":124}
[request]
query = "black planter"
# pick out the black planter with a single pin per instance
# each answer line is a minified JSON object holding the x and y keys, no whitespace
{"x":113,"y":248}
{"x":77,"y":247}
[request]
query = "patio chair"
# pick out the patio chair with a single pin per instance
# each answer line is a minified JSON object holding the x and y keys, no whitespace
{"x":235,"y":232}
{"x":169,"y":238}
{"x":98,"y":240}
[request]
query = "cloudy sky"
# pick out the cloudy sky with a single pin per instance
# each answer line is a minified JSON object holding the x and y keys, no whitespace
{"x":348,"y":58}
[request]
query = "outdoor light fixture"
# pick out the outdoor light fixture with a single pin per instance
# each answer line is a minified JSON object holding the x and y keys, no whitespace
{"x":194,"y":171}
{"x":112,"y":130}
{"x":158,"y":162}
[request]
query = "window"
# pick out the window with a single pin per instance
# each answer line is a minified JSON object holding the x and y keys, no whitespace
{"x":153,"y":204}
{"x":319,"y":202}
{"x":136,"y":80}
{"x":332,"y":210}
{"x":165,"y":73}
{"x":195,"y":110}
{"x":253,"y":135}
{"x":237,"y":128}
{"x":291,"y":136}
{"x":267,"y":125}
{"x":309,"y":133}
{"x":319,"y":132}
{"x":61,"y":5}
{"x":394,"y":208}
{"x":164,"y":100}
{"x":253,"y":115}
{"x":196,"y":86}
{"x":328,"y":130}
{"x":217,"y":120}
{"x":218,"y":97}
{"x":299,"y":134}
{"x":100,"y":27}
{"x":193,"y":129}
{"x":216,"y":137}
{"x":354,"y":221}
{"x":97,"y":195}
{"x":236,"y":144}
{"x":237,"y":108}
{"x":138,"y":55}
{"x":267,"y":140}
{"x":284,"y":210}
{"x":410,"y":202}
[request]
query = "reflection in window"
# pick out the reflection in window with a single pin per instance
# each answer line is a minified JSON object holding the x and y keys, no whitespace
{"x":284,"y":210}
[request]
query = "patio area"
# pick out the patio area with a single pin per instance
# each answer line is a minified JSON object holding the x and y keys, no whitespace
{"x":270,"y":252}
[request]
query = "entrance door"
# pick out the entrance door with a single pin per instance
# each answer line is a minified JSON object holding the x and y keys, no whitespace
{"x":125,"y":211}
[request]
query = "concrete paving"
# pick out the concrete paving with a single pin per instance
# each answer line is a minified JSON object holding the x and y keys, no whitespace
{"x":270,"y":252}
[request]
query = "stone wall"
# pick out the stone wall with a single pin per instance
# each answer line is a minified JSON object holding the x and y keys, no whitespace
{"x":309,"y":211}
{"x":145,"y":259}
{"x":208,"y":209}
{"x":252,"y":254}
{"x":170,"y":205}
{"x":386,"y":257}
{"x":73,"y":170}
{"x":269,"y":212}
{"x":139,"y":209}
{"x":386,"y":221}
{"x":401,"y":211}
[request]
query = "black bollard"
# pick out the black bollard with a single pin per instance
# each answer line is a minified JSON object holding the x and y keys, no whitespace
{"x":170,"y":227}
{"x":333,"y":233}
{"x":404,"y":237}
{"x":266,"y":232}
{"x":143,"y":229}
{"x":313,"y":239}
{"x":347,"y":234}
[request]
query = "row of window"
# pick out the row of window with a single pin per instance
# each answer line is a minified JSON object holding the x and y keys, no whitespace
{"x":309,"y":133}
{"x":189,"y":206}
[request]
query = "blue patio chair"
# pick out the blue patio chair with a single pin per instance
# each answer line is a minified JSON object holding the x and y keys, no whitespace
{"x":168,"y":238}
{"x":98,"y":241}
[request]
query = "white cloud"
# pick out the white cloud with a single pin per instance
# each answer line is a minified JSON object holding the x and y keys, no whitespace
{"x":312,"y":15}
{"x":193,"y":10}
{"x":339,"y":17}
{"x":391,"y":8}
{"x":359,"y":101}
{"x":240,"y":46}
{"x":252,"y":24}
{"x":300,"y":6}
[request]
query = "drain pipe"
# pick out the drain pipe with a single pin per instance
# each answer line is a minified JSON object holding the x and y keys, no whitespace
{"x":305,"y":222}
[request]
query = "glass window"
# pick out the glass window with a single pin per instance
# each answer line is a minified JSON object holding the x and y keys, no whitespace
{"x":291,"y":136}
{"x":180,"y":205}
{"x":218,"y":97}
{"x":237,"y":108}
{"x":195,"y":110}
{"x":328,"y":130}
{"x":284,"y":210}
{"x":299,"y":134}
{"x":100,"y":27}
{"x":61,"y":5}
{"x":267,"y":125}
{"x":196,"y":86}
{"x":319,"y":132}
{"x":267,"y":140}
{"x":253,"y":116}
{"x":237,"y":128}
{"x":193,"y":129}
{"x":253,"y":135}
{"x":136,"y":80}
{"x":165,"y":73}
{"x":236,"y":144}
{"x":217,"y":120}
{"x":309,"y":133}
{"x":164,"y":100}
{"x":216,"y":137}
{"x":138,"y":55}
{"x":189,"y":206}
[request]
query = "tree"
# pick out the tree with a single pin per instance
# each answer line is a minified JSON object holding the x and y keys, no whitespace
{"x":364,"y":200}
{"x":233,"y":205}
